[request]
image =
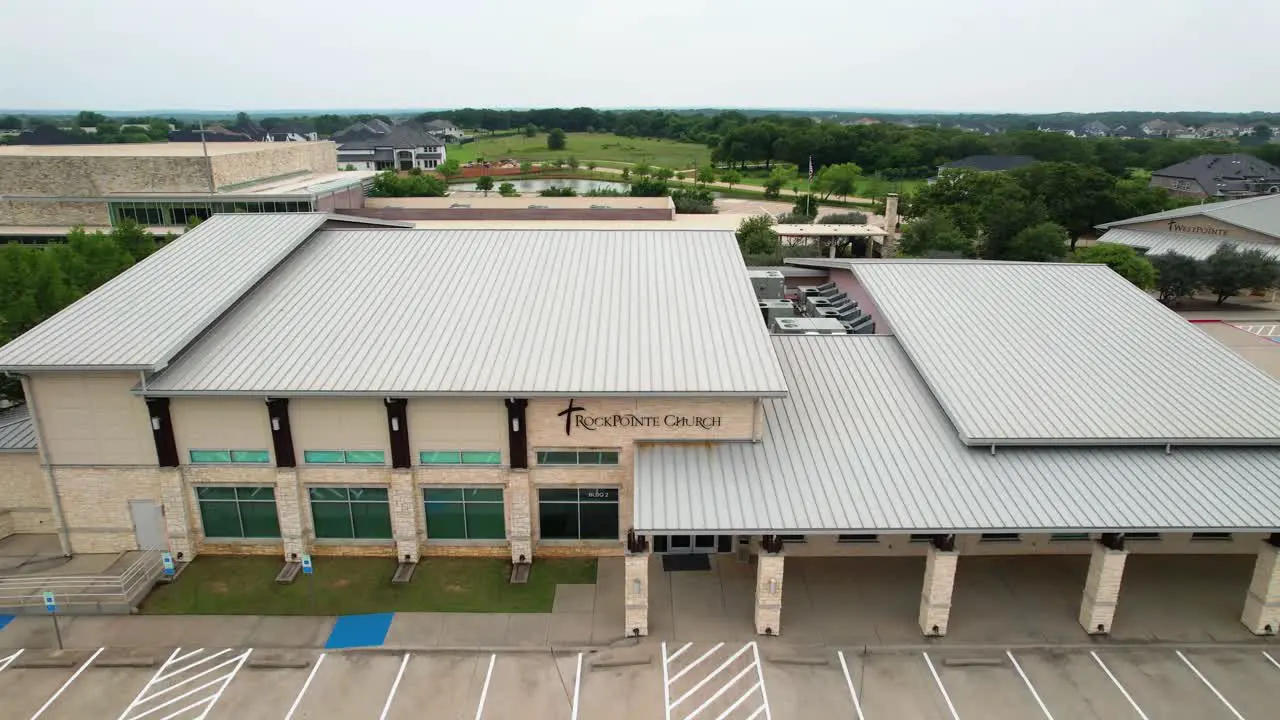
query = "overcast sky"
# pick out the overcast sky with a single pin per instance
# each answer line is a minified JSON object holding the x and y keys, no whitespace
{"x":961,"y":55}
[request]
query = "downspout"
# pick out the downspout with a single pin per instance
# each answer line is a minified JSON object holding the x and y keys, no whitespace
{"x":59,"y":520}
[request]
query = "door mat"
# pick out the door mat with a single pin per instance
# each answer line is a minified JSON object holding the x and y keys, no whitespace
{"x":676,"y":563}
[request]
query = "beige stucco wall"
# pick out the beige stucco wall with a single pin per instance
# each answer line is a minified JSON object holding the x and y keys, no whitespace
{"x":274,"y":160}
{"x":220,"y":423}
{"x":72,"y":176}
{"x":24,"y":494}
{"x":53,"y":213}
{"x":339,"y":424}
{"x":92,"y":419}
{"x":457,"y":424}
{"x":1211,"y":228}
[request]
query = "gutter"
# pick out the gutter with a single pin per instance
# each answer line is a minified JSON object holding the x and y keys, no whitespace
{"x":59,"y":519}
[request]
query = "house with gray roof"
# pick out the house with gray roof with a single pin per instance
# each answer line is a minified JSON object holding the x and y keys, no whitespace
{"x":1233,"y":175}
{"x":403,"y":147}
{"x":445,"y":129}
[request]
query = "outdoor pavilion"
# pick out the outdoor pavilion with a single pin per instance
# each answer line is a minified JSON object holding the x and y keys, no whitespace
{"x":832,"y":237}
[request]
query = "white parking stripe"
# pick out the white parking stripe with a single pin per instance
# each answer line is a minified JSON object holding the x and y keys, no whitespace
{"x":711,"y":675}
{"x":764,"y":695}
{"x":677,"y":653}
{"x":485,"y":692}
{"x":943,"y":690}
{"x":666,"y":682}
{"x":1209,"y":685}
{"x":225,"y":682}
{"x":695,"y":663}
{"x":4,"y":662}
{"x":184,"y":668}
{"x":386,"y":707}
{"x":303,"y":691}
{"x":738,"y":702}
{"x":1119,"y":687}
{"x":1265,"y":654}
{"x":716,"y":695}
{"x":1030,"y":687}
{"x":857,"y":706}
{"x":577,"y":688}
{"x":67,"y":684}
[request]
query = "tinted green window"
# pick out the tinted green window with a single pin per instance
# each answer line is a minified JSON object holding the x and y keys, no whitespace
{"x":354,"y":513}
{"x":368,"y":494}
{"x":481,"y":458}
{"x":210,"y":456}
{"x":332,"y":519}
{"x":366,"y":457}
{"x":557,"y":457}
{"x":324,"y":456}
{"x":439,"y":457}
{"x":250,"y":456}
{"x":465,"y":514}
{"x":460,"y":457}
{"x":371,"y":520}
{"x":238,"y":512}
{"x":577,"y":457}
{"x":582,"y":514}
{"x":329,"y":493}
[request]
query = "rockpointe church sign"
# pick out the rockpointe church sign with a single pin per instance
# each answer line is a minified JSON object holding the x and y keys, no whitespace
{"x":577,"y":418}
{"x":1175,"y":226}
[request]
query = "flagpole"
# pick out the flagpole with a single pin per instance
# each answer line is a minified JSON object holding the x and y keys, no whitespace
{"x":808,"y":193}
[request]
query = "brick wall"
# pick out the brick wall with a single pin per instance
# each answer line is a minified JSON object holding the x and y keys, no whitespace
{"x":45,"y":213}
{"x":24,"y":493}
{"x":71,"y":176}
{"x":95,"y":504}
{"x":268,"y":160}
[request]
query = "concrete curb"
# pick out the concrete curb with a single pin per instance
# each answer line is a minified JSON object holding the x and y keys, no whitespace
{"x":798,"y":660}
{"x":442,"y":649}
{"x":1066,"y":647}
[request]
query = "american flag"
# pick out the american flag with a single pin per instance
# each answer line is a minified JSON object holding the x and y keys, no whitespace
{"x":810,"y":168}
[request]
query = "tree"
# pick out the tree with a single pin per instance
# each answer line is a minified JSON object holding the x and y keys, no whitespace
{"x":730,"y":177}
{"x":806,"y":206}
{"x":506,"y":189}
{"x":1077,"y":197}
{"x":572,"y":162}
{"x":626,"y":173}
{"x":648,"y":187}
{"x":1262,"y":133}
{"x":485,"y":183}
{"x":558,"y":191}
{"x":556,"y":139}
{"x":933,"y":235}
{"x":694,"y":201}
{"x":10,"y":122}
{"x":591,"y":165}
{"x":526,"y":167}
{"x":86,"y":118}
{"x":839,"y":180}
{"x":1038,"y":243}
{"x":530,"y":130}
{"x":134,"y":239}
{"x":756,"y":236}
{"x":664,"y":173}
{"x":1229,"y":270}
{"x":641,"y":169}
{"x":1126,"y":261}
{"x":450,"y":168}
{"x":845,"y":218}
{"x":388,"y":183}
{"x":705,"y":174}
{"x":1005,"y":213}
{"x":1178,"y":276}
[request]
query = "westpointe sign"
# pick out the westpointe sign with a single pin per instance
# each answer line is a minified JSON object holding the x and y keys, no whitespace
{"x":1175,"y":226}
{"x":577,"y":417}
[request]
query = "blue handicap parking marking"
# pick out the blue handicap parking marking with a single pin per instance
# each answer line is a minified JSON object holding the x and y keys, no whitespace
{"x":5,"y":620}
{"x":359,"y":630}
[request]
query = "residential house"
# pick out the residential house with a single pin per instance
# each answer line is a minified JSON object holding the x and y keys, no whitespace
{"x":212,"y":133}
{"x":1219,"y":130}
{"x":1219,"y":176}
{"x":403,"y":148}
{"x":291,"y":132}
{"x":1164,"y":128}
{"x":444,"y":129}
{"x":1094,"y":128}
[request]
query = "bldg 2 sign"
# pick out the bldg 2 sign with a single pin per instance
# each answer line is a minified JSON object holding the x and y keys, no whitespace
{"x":577,"y":417}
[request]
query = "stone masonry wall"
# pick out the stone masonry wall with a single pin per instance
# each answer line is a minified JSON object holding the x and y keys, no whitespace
{"x":274,"y":160}
{"x":1262,"y":605}
{"x":54,"y":213}
{"x":769,"y":583}
{"x":24,"y":493}
{"x":246,"y":476}
{"x":96,"y":176}
{"x":935,"y":598}
{"x":1102,"y":589}
{"x":95,"y":504}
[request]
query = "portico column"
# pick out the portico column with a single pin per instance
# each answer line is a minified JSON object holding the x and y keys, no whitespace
{"x":1262,"y":605}
{"x":769,"y":566}
{"x":404,"y":516}
{"x":1102,"y":584}
{"x":939,"y":579}
{"x":177,"y":519}
{"x":289,"y":513}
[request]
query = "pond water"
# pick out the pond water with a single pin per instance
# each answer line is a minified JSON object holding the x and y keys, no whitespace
{"x":533,"y":187}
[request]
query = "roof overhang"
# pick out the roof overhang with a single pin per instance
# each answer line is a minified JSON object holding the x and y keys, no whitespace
{"x":162,"y":392}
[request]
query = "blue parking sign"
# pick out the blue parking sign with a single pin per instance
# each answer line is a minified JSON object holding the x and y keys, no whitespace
{"x":306,"y":565}
{"x":167,"y":560}
{"x":50,"y":603}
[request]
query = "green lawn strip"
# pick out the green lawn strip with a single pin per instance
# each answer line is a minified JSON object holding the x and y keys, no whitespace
{"x":598,"y":147}
{"x":343,"y":586}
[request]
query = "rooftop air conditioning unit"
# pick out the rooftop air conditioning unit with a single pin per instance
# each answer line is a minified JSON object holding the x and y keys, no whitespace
{"x":768,"y":284}
{"x":771,"y":309}
{"x":863,"y":326}
{"x":807,"y":326}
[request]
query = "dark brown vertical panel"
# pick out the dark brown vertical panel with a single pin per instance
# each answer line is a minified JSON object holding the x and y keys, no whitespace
{"x":162,"y":432}
{"x":398,"y":429}
{"x":517,"y":433}
{"x":281,"y":432}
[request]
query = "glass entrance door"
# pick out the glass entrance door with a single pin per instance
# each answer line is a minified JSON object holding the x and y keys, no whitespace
{"x":691,"y":543}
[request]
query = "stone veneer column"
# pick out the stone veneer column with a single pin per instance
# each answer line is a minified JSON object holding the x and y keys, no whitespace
{"x":636,"y":594}
{"x":935,"y":598}
{"x":769,"y":568}
{"x":520,"y":528}
{"x":404,"y":515}
{"x":177,"y":519}
{"x":1262,"y":605}
{"x":1102,"y":589}
{"x":289,"y":501}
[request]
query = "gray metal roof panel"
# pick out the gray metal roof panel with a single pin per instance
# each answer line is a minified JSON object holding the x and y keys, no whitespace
{"x":1196,"y":246}
{"x":498,"y":312}
{"x":17,"y":434}
{"x":143,"y":317}
{"x":1057,"y":353}
{"x":871,"y":450}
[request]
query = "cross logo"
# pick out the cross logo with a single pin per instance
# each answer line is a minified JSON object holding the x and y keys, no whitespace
{"x":568,"y":415}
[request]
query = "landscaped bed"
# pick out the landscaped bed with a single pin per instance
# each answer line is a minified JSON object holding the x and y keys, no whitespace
{"x":340,"y":586}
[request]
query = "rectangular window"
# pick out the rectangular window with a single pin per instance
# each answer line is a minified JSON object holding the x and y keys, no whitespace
{"x":580,"y":514}
{"x":260,"y":457}
{"x":999,"y":538}
{"x":1142,"y":536}
{"x":460,"y":457}
{"x":1068,"y":537}
{"x":351,"y":513}
{"x":1211,"y":537}
{"x":792,"y":538}
{"x":858,"y":538}
{"x":577,"y":457}
{"x":339,"y":457}
{"x":918,"y":538}
{"x":464,"y":514}
{"x":238,"y":512}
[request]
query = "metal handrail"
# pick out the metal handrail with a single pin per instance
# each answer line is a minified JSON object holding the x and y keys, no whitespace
{"x":82,"y":589}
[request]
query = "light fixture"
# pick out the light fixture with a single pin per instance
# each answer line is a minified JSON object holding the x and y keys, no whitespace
{"x":635,"y":586}
{"x":155,"y":423}
{"x":773,"y":586}
{"x":395,"y":424}
{"x":275,"y":424}
{"x":515,"y":424}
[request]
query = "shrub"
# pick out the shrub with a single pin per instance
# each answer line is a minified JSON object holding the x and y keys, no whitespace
{"x":694,"y":201}
{"x":648,"y":187}
{"x":848,"y":218}
{"x":506,"y":189}
{"x":558,"y":191}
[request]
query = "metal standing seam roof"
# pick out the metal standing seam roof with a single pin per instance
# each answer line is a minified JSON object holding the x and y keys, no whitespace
{"x":1196,"y":246}
{"x":16,"y":431}
{"x":860,"y":444}
{"x":143,"y":317}
{"x":1260,"y":214}
{"x":1057,"y":353}
{"x":486,"y":312}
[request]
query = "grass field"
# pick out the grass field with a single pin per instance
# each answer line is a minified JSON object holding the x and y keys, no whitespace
{"x":602,"y":148}
{"x":246,"y":585}
{"x":866,"y":185}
